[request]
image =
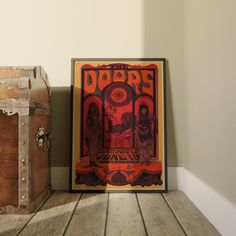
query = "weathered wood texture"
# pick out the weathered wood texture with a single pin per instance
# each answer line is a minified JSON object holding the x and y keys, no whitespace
{"x":24,"y":82}
{"x":8,"y":160}
{"x":70,"y":214}
{"x":10,"y":225}
{"x":9,"y":72}
{"x":192,"y":220}
{"x":53,"y":217}
{"x":124,"y":216}
{"x":24,"y":167}
{"x":90,"y":216}
{"x":158,"y":217}
{"x":39,"y":158}
{"x":9,"y":78}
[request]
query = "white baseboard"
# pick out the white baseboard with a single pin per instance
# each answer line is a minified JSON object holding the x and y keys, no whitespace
{"x":218,"y":210}
{"x":175,"y":178}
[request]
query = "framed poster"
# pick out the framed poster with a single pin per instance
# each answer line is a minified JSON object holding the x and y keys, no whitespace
{"x":118,"y":125}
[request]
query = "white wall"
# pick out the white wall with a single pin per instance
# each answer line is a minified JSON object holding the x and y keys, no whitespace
{"x":51,"y":32}
{"x":164,"y":37}
{"x":210,"y":75}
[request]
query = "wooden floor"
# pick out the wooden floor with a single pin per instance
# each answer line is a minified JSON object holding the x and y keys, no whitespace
{"x":111,"y":214}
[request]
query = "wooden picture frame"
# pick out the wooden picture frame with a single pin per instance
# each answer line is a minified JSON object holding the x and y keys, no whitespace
{"x":118,"y":125}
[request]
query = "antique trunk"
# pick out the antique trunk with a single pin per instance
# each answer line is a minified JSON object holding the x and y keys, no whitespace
{"x":24,"y":139}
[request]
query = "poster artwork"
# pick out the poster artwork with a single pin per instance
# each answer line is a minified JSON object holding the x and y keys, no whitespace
{"x":120,"y":137}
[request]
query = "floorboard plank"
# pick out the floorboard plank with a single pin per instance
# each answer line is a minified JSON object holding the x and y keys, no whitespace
{"x":90,"y":215}
{"x":124,"y":217}
{"x":191,"y":219}
{"x":10,"y":225}
{"x":53,"y":217}
{"x":158,"y":217}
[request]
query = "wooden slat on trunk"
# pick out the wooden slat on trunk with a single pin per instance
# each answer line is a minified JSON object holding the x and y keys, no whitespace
{"x":39,"y":159}
{"x":8,"y":160}
{"x":157,"y":215}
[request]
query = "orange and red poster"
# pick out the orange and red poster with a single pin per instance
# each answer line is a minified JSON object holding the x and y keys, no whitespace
{"x":118,"y":125}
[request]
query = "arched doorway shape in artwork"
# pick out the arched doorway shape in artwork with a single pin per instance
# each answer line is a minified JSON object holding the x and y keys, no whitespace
{"x":118,"y":116}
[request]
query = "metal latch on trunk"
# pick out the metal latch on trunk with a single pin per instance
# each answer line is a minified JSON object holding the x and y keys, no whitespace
{"x":42,"y":139}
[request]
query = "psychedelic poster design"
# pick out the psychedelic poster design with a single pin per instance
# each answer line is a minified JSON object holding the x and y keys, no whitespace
{"x":118,"y":140}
